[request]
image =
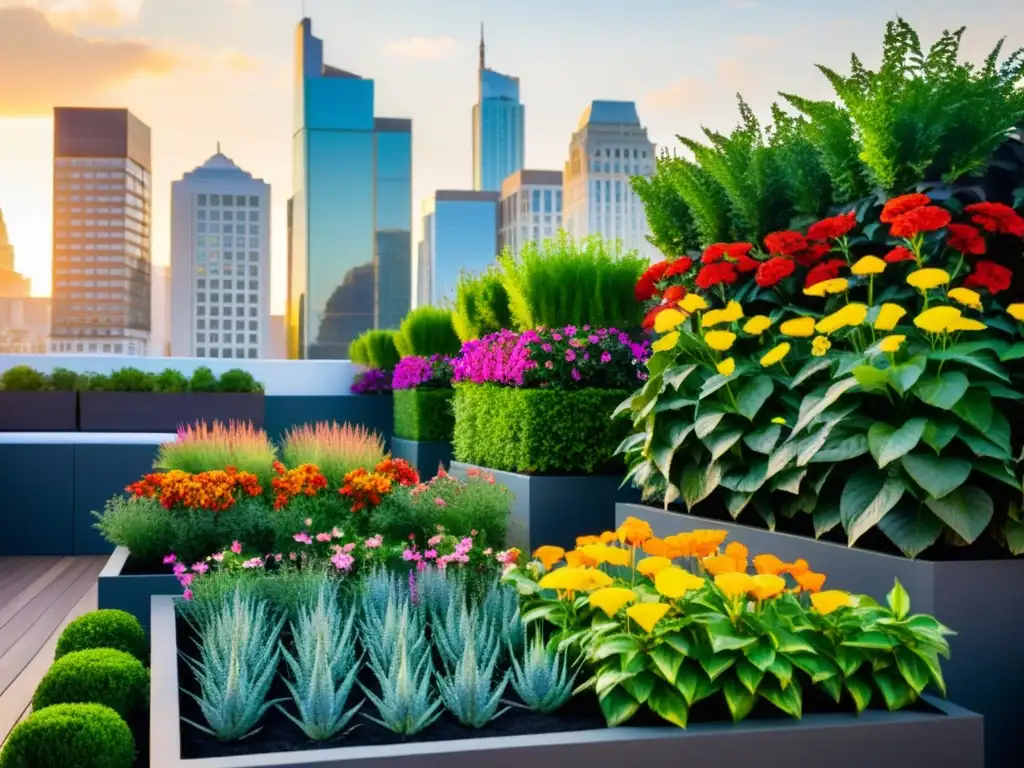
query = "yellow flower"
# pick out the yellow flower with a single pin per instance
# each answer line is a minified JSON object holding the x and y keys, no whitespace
{"x":758,"y":324}
{"x":777,"y":419}
{"x":1016,"y":311}
{"x":888,"y":316}
{"x":674,"y":582}
{"x":647,"y":614}
{"x":775,"y":354}
{"x":578,"y":559}
{"x":726,"y":367}
{"x":937,"y":319}
{"x":868,"y":265}
{"x":798,"y":326}
{"x":967,"y":324}
{"x":891,"y":343}
{"x":582,"y":541}
{"x":769,"y":564}
{"x":611,"y":599}
{"x":666,"y":342}
{"x":720,"y":340}
{"x":735,"y":584}
{"x":548,"y":556}
{"x":564,"y":579}
{"x":929,"y":277}
{"x":830,"y":600}
{"x":693,"y":302}
{"x":712,"y":317}
{"x":592,"y":578}
{"x":827,"y":287}
{"x":850,"y":315}
{"x":634,"y":531}
{"x":602,"y":553}
{"x":733,"y":312}
{"x":820,"y":346}
{"x":767,"y":585}
{"x":965,"y":296}
{"x":668,"y":319}
{"x":651,"y":566}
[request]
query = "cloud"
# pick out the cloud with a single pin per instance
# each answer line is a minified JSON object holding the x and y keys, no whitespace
{"x":427,"y":48}
{"x":759,"y":42}
{"x":70,"y":15}
{"x":733,"y":73}
{"x":685,"y":92}
{"x":236,"y":62}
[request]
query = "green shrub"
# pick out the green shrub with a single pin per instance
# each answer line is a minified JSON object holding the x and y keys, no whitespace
{"x":70,"y":736}
{"x":239,"y":381}
{"x":22,"y":378}
{"x":424,"y":414}
{"x":65,"y":380}
{"x":427,"y":331}
{"x":481,"y":305}
{"x":96,"y":676}
{"x":537,"y":430}
{"x":106,"y":628}
{"x":170,"y":380}
{"x":203,"y":380}
{"x":357,"y":351}
{"x":381,"y":351}
{"x":130,"y":380}
{"x":96,"y":382}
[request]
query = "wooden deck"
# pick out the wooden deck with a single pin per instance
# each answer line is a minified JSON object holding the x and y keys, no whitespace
{"x":39,"y":596}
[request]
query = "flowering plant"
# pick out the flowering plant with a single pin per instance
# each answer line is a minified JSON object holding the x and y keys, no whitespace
{"x":374,"y":381}
{"x":201,"y":447}
{"x":778,"y":364}
{"x":366,"y":489}
{"x":216,"y":490}
{"x":669,"y":623}
{"x":416,"y":371}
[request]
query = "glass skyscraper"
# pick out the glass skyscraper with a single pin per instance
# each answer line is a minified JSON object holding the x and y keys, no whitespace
{"x":498,"y":127}
{"x":350,"y":216}
{"x":460,"y":233}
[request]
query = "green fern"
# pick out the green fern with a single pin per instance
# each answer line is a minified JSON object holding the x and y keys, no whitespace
{"x":831,"y":131}
{"x":673,"y":227}
{"x":803,"y":169}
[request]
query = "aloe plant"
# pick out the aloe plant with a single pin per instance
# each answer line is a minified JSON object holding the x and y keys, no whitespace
{"x":501,"y":606}
{"x":459,"y":626}
{"x":380,"y":587}
{"x":469,"y":691}
{"x":436,"y":587}
{"x":541,"y":677}
{"x":379,"y":632}
{"x":238,"y":658}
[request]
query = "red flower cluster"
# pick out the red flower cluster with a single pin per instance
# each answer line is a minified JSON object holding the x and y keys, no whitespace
{"x":833,"y":227}
{"x":305,"y":479}
{"x":826,"y":270}
{"x":648,"y":323}
{"x":366,"y":489}
{"x":733,"y":251}
{"x":997,"y":218}
{"x":898,"y":254}
{"x":785,"y":243}
{"x":898,"y":206}
{"x":647,"y":285}
{"x":672,"y":294}
{"x":814,"y":253}
{"x":990,"y":276}
{"x":716,"y":273}
{"x":966,"y":239}
{"x":214,"y":490}
{"x":677,"y":267}
{"x":398,"y":471}
{"x":774,"y":270}
{"x":927,"y":218}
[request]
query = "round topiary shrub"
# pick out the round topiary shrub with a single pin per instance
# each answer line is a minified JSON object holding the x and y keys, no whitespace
{"x":70,"y":735}
{"x":104,"y":629}
{"x":96,"y":676}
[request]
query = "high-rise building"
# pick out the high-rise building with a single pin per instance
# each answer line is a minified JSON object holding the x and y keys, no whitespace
{"x":460,"y":233}
{"x":160,"y":315}
{"x":530,"y":208}
{"x":12,"y":284}
{"x":609,"y":147}
{"x":350,"y":215}
{"x":24,"y":325}
{"x":499,"y":127}
{"x":101,"y":232}
{"x":220,"y":262}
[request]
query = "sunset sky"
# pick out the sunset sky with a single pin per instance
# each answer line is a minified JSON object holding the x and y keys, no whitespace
{"x":203,"y":71}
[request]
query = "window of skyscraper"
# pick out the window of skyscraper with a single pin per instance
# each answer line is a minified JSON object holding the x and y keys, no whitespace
{"x":214,"y":199}
{"x":240,"y":200}
{"x":536,"y":201}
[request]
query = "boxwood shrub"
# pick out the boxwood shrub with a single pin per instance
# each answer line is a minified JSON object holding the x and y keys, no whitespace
{"x":95,"y":676}
{"x":536,"y":431}
{"x":424,"y":414}
{"x":70,"y":736}
{"x":107,"y":628}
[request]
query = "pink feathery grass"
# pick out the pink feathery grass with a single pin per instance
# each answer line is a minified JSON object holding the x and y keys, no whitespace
{"x":335,"y":448}
{"x":201,"y":447}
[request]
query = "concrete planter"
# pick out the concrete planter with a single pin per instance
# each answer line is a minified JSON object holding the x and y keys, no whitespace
{"x":424,"y":456}
{"x":38,"y":411}
{"x":132,"y":593}
{"x":946,"y":736}
{"x":981,"y":600}
{"x":164,"y":411}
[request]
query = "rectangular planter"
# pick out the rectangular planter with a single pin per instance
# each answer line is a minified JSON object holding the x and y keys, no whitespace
{"x":38,"y":411}
{"x":549,"y":509}
{"x":981,"y":600}
{"x":285,"y":412}
{"x":38,"y":490}
{"x":947,"y":736}
{"x":164,"y":411}
{"x":425,"y":457}
{"x":132,"y":593}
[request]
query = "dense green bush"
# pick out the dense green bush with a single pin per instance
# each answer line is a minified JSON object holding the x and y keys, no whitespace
{"x":536,"y":430}
{"x":203,"y":380}
{"x":70,"y":736}
{"x":424,"y":414}
{"x":65,"y":380}
{"x":238,"y":380}
{"x":481,"y":305}
{"x":357,"y":351}
{"x":106,"y":628}
{"x":427,"y":331}
{"x":170,"y":380}
{"x":96,"y":676}
{"x":381,"y":349}
{"x":130,"y":380}
{"x":22,"y":378}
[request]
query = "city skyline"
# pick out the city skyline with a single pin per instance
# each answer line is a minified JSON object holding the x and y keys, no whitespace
{"x":229,"y":78}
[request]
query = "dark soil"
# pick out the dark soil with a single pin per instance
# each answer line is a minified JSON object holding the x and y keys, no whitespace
{"x":135,"y":566}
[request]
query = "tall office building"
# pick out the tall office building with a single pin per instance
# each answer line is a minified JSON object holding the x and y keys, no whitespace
{"x":160,"y":312}
{"x":101,"y":232}
{"x":530,"y":208}
{"x":350,"y":215}
{"x":12,"y":284}
{"x":608,"y":148}
{"x":499,"y":126}
{"x":460,"y":233}
{"x":24,"y":325}
{"x":220,"y":262}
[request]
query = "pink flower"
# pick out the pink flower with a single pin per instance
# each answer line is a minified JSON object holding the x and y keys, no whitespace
{"x":185,"y":579}
{"x":219,"y":557}
{"x":236,"y":547}
{"x":348,"y":547}
{"x":255,"y":562}
{"x":168,"y":559}
{"x":179,"y":568}
{"x":606,"y":357}
{"x":410,"y":554}
{"x":277,"y":557}
{"x":342,"y":561}
{"x":430,"y":554}
{"x":335,"y":533}
{"x":322,"y":537}
{"x":200,"y":567}
{"x":488,"y":552}
{"x":435,"y":540}
{"x":307,"y":522}
{"x":374,"y":542}
{"x":467,"y":543}
{"x":440,"y":502}
{"x":291,"y":555}
{"x":570,"y":355}
{"x":303,"y":538}
{"x":187,"y":594}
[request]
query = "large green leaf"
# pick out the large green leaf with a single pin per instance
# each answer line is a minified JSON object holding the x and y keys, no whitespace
{"x":632,"y":442}
{"x":903,"y":377}
{"x":888,"y":444}
{"x":788,"y":699}
{"x":895,"y":690}
{"x":1014,"y":536}
{"x":708,"y":419}
{"x":819,"y":404}
{"x":810,"y":368}
{"x":939,"y":432}
{"x":677,"y":374}
{"x":999,"y":470}
{"x":699,"y":482}
{"x":867,"y":496}
{"x":911,"y":527}
{"x":749,"y":675}
{"x":870,"y":378}
{"x":913,"y":669}
{"x":860,"y":691}
{"x":841,"y":449}
{"x":690,"y":680}
{"x":660,"y":361}
{"x":640,"y":685}
{"x":739,"y":700}
{"x":667,"y":661}
{"x":937,"y":475}
{"x":967,"y":510}
{"x":1013,"y":352}
{"x":722,"y":439}
{"x":981,"y":447}
{"x":753,"y":395}
{"x":763,"y":439}
{"x":668,"y":704}
{"x":943,"y":391}
{"x":975,"y":408}
{"x":979,"y":360}
{"x":735,"y":503}
{"x":826,"y":517}
{"x":618,"y":706}
{"x":667,"y":440}
{"x":712,"y":385}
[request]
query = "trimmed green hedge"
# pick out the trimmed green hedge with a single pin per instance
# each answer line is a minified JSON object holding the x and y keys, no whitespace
{"x":95,"y":676}
{"x":424,"y":414}
{"x":108,"y":628}
{"x":536,"y":431}
{"x":70,"y":736}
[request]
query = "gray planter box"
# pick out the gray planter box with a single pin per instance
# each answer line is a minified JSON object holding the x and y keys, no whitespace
{"x":550,"y":509}
{"x":424,"y":456}
{"x":981,"y":600}
{"x":132,"y":593}
{"x":38,"y":411}
{"x":948,"y":736}
{"x":164,"y":411}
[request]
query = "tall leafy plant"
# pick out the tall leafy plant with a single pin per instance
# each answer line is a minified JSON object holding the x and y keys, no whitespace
{"x":427,"y":331}
{"x":481,"y":305}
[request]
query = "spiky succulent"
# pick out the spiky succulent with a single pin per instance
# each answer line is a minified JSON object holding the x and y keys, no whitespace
{"x":436,"y":587}
{"x":324,"y":667}
{"x":470,"y":691}
{"x":501,"y":606}
{"x":379,"y":632}
{"x":541,"y":676}
{"x":459,"y":626}
{"x":380,"y":587}
{"x":238,"y":657}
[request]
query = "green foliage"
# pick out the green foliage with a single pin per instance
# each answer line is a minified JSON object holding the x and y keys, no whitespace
{"x":287,"y":590}
{"x":130,"y":380}
{"x":427,"y":331}
{"x":536,"y":430}
{"x":673,"y":227}
{"x":541,"y":676}
{"x":376,"y":349}
{"x":106,"y":628}
{"x":65,"y":380}
{"x":22,"y":378}
{"x":96,"y":676}
{"x":471,"y":690}
{"x":170,"y":380}
{"x":203,"y":380}
{"x":424,"y":414}
{"x":803,"y":171}
{"x":65,"y":735}
{"x":357,"y":351}
{"x":481,"y":305}
{"x":560,"y":282}
{"x":239,"y":381}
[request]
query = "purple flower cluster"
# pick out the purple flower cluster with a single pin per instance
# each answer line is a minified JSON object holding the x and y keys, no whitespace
{"x":372,"y":382}
{"x":415,"y":371}
{"x":570,"y":357}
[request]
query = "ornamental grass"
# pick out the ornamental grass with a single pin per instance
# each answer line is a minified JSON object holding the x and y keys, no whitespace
{"x":336,"y":449}
{"x":202,"y":447}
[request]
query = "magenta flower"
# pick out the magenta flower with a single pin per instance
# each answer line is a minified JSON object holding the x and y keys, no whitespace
{"x":576,"y":374}
{"x":435,"y":540}
{"x":342,"y":562}
{"x":374,"y":542}
{"x":179,"y":568}
{"x":410,"y":554}
{"x":348,"y":547}
{"x":185,"y":579}
{"x":430,"y":554}
{"x":168,"y":559}
{"x":322,"y":537}
{"x":187,"y":594}
{"x":219,"y":557}
{"x":593,"y":338}
{"x":236,"y":547}
{"x":606,"y":357}
{"x":253,"y":562}
{"x":278,"y":557}
{"x":570,"y":355}
{"x":303,"y":538}
{"x":200,"y":567}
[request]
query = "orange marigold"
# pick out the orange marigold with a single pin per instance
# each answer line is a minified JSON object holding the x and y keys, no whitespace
{"x":365,"y":489}
{"x":398,"y":471}
{"x":305,"y":479}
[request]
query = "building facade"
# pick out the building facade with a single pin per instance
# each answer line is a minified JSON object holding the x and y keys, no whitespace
{"x":220,"y":262}
{"x":350,"y":215}
{"x":499,"y":127}
{"x":460,"y":233}
{"x":530,"y":208}
{"x":608,"y":148}
{"x":101,"y":232}
{"x":12,"y":283}
{"x":160,"y":313}
{"x":24,"y":325}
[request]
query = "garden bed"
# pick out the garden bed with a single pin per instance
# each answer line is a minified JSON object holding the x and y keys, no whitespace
{"x":128,"y":585}
{"x":935,"y":731}
{"x":165,"y":411}
{"x":425,"y":456}
{"x":38,"y":411}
